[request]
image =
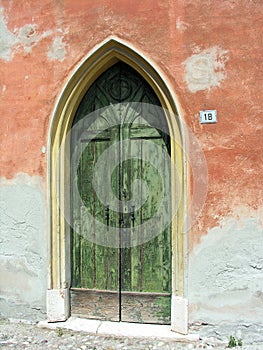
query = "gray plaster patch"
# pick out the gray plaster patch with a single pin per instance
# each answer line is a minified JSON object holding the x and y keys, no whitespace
{"x":28,"y":36}
{"x":7,"y":39}
{"x":57,"y":50}
{"x":205,"y":69}
{"x":226,"y":274}
{"x":23,"y":250}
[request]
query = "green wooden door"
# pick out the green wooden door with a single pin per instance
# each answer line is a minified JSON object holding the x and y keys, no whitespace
{"x":124,"y":282}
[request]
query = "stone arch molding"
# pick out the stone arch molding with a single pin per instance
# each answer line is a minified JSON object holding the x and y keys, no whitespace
{"x":101,"y":58}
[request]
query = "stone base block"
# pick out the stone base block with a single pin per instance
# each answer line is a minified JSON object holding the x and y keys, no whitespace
{"x":58,"y":305}
{"x":179,"y":322}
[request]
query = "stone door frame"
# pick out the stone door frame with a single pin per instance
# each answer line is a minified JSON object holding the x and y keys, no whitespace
{"x":97,"y":61}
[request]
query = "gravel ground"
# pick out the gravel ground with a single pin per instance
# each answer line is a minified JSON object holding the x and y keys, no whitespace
{"x":21,"y":335}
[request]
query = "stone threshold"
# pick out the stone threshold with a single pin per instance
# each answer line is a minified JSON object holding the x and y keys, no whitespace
{"x":121,"y":329}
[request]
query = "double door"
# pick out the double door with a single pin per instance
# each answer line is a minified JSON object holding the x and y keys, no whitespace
{"x":121,"y":267}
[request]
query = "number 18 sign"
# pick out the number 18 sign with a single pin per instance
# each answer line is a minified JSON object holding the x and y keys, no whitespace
{"x":207,"y":117}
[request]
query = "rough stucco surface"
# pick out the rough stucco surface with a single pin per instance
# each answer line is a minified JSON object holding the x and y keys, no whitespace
{"x":23,"y":260}
{"x":226,"y":274}
{"x":210,"y":53}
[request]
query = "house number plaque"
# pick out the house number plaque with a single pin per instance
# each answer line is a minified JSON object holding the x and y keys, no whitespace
{"x":207,"y":117}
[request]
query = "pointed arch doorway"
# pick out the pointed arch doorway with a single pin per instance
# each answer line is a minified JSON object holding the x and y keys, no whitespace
{"x":65,"y":291}
{"x":121,"y":276}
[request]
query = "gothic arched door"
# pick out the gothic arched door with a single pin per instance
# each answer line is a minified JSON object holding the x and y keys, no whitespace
{"x":121,"y":267}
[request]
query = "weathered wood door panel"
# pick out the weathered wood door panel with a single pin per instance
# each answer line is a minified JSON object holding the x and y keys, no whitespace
{"x":95,"y":268}
{"x":145,"y":268}
{"x":131,"y":283}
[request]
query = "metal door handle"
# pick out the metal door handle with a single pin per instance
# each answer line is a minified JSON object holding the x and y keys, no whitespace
{"x":124,"y":192}
{"x":132,"y":214}
{"x":107,"y":214}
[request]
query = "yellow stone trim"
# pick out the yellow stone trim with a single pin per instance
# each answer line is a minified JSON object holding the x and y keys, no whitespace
{"x":59,"y":177}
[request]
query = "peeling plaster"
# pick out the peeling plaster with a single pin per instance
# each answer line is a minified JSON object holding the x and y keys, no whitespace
{"x":57,"y":50}
{"x":181,"y":25}
{"x":27,"y":37}
{"x":205,"y":69}
{"x":226,"y":273}
{"x":7,"y":40}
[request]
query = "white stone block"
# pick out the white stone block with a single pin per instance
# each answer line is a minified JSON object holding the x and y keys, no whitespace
{"x":179,"y":317}
{"x":57,"y":305}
